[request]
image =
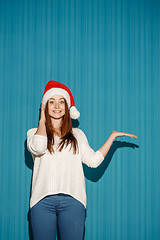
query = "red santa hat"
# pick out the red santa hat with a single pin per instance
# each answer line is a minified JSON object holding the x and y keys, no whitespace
{"x":56,"y":88}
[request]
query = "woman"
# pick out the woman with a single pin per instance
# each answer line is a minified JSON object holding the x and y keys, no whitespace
{"x":58,"y":194}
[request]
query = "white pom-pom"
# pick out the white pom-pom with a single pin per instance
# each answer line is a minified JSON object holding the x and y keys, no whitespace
{"x":74,"y":113}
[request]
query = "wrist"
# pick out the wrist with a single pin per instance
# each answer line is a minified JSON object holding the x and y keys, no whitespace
{"x":42,"y":122}
{"x":113,"y":135}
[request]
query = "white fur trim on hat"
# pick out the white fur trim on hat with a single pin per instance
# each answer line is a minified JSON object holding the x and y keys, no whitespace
{"x":56,"y":91}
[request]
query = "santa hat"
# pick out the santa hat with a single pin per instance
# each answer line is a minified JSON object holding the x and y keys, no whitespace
{"x":56,"y":88}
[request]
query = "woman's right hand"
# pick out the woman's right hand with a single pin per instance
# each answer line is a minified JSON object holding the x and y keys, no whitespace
{"x":41,"y":130}
{"x":42,"y":117}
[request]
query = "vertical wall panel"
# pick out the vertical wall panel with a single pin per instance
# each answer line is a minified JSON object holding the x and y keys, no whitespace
{"x":107,"y":52}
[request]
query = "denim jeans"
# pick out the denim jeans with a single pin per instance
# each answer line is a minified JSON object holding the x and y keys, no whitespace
{"x":60,"y":209}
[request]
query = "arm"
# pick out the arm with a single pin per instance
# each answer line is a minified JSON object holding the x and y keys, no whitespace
{"x":88,"y":155}
{"x":94,"y":159}
{"x":36,"y":144}
{"x":105,"y":148}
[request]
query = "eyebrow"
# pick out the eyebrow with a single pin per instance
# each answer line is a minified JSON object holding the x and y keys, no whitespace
{"x":55,"y":99}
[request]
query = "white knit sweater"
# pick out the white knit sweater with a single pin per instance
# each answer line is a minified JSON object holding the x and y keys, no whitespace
{"x":60,"y":172}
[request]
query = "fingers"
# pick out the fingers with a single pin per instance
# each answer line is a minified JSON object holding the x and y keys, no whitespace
{"x":135,"y":136}
{"x":42,"y":105}
{"x":121,"y":134}
{"x":42,"y":117}
{"x":132,"y":136}
{"x":129,"y":135}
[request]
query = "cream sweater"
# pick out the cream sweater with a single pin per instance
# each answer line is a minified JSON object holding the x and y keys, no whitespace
{"x":60,"y":172}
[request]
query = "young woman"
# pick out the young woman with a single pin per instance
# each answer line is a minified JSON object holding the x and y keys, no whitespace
{"x":58,"y":196}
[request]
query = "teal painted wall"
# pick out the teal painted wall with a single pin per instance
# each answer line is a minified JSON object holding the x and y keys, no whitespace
{"x":108,"y":54}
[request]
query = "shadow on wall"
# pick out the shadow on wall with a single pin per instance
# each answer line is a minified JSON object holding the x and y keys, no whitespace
{"x":92,"y":174}
{"x":29,"y":164}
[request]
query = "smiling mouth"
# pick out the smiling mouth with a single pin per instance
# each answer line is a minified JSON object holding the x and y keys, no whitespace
{"x":56,"y":111}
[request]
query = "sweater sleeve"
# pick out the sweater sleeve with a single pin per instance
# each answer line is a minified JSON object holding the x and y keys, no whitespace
{"x":89,"y":156}
{"x":36,"y":144}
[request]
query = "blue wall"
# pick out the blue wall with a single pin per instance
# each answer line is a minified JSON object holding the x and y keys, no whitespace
{"x":108,"y":53}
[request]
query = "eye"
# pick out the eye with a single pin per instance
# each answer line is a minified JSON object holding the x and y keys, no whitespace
{"x":51,"y":102}
{"x":61,"y":101}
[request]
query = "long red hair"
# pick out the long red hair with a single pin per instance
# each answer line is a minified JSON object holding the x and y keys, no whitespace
{"x":67,"y":136}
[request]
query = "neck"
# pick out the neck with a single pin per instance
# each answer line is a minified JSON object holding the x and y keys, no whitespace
{"x":57,"y":123}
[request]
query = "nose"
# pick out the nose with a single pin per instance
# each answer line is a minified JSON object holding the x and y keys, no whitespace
{"x":56,"y":105}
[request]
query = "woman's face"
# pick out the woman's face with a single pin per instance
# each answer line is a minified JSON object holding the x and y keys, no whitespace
{"x":56,"y":107}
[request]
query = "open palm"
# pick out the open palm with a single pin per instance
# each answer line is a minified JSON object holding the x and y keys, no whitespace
{"x":121,"y":134}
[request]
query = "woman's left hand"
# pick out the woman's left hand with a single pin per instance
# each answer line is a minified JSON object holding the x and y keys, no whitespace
{"x":121,"y":134}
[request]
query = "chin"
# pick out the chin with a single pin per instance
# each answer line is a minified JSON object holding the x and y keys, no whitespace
{"x":56,"y":117}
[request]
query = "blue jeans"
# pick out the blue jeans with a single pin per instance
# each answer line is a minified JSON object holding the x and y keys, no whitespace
{"x":60,"y":209}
